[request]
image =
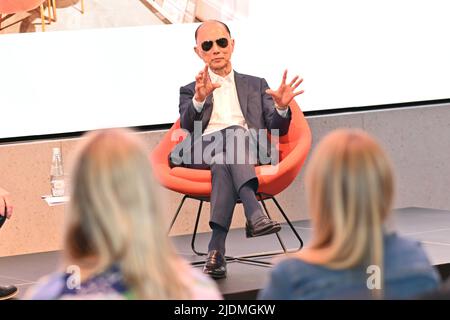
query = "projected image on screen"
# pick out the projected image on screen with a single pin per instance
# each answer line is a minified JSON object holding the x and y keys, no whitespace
{"x":22,"y":16}
{"x":350,"y":53}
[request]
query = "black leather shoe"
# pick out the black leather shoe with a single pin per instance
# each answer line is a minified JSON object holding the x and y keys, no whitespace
{"x":216,"y":265}
{"x":7,"y":292}
{"x":261,"y":227}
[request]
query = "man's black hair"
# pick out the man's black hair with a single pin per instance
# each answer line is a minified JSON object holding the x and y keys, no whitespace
{"x":226,"y":28}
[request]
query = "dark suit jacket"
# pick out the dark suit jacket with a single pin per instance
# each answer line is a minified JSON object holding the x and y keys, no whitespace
{"x":257,"y":107}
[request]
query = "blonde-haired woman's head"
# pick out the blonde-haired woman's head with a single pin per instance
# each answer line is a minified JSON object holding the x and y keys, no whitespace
{"x":114,"y":216}
{"x":350,"y":193}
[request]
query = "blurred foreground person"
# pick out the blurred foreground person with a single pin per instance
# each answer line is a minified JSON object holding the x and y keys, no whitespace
{"x":350,"y":188}
{"x":6,"y":208}
{"x":116,"y":244}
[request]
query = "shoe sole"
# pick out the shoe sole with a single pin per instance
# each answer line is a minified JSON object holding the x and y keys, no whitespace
{"x":216,"y":275}
{"x":274,"y":229}
{"x":11,"y":295}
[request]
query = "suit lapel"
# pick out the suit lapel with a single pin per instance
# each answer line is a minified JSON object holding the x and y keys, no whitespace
{"x":242,"y":91}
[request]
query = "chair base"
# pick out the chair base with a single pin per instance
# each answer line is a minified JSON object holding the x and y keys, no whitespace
{"x":249,"y":258}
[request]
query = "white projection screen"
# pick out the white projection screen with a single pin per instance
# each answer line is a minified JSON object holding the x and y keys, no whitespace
{"x":351,"y":54}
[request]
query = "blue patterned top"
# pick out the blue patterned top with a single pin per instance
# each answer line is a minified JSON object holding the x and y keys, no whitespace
{"x":110,"y":285}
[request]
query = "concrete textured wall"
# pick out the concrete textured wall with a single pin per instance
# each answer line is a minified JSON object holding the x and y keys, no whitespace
{"x":416,"y":138}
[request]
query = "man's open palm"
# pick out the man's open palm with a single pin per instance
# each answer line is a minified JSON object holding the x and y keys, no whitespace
{"x":285,"y":92}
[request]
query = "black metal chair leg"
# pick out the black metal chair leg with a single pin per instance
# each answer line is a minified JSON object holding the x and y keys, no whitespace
{"x":277,"y":234}
{"x":288,"y":222}
{"x":195,"y":230}
{"x":249,"y":258}
{"x":176,"y":214}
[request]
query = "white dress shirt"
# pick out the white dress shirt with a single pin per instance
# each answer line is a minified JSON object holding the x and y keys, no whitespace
{"x":226,"y":108}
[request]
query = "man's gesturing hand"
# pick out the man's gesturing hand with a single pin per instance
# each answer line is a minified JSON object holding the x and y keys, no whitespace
{"x":203,"y":85}
{"x":285,"y":92}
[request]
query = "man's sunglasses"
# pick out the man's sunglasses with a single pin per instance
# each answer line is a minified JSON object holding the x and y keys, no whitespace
{"x":207,"y":45}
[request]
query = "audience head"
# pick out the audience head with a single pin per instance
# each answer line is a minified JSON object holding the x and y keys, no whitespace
{"x":114,"y":216}
{"x":350,"y":192}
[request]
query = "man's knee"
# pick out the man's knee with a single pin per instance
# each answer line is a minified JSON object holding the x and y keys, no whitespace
{"x":252,"y":183}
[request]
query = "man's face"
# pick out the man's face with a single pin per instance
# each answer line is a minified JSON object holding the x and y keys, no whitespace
{"x":217,"y":57}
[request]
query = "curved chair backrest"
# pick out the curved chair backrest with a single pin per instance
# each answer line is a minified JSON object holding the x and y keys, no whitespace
{"x":14,"y":6}
{"x":293,"y":147}
{"x":293,"y":150}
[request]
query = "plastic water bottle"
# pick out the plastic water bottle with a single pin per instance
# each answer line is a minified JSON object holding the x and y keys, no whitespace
{"x":57,"y":174}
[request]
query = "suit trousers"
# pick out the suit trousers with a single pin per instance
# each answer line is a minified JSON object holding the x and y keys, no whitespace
{"x":231,"y":156}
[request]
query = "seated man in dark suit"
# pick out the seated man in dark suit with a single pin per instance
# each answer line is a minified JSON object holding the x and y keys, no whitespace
{"x":6,"y":292}
{"x":218,"y":109}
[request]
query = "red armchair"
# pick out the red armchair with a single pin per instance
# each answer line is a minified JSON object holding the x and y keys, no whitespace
{"x":196,"y":184}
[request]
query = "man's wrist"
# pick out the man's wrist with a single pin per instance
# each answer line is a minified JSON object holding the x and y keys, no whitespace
{"x":281,"y":108}
{"x":198,"y":106}
{"x":198,"y":100}
{"x":283,"y":112}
